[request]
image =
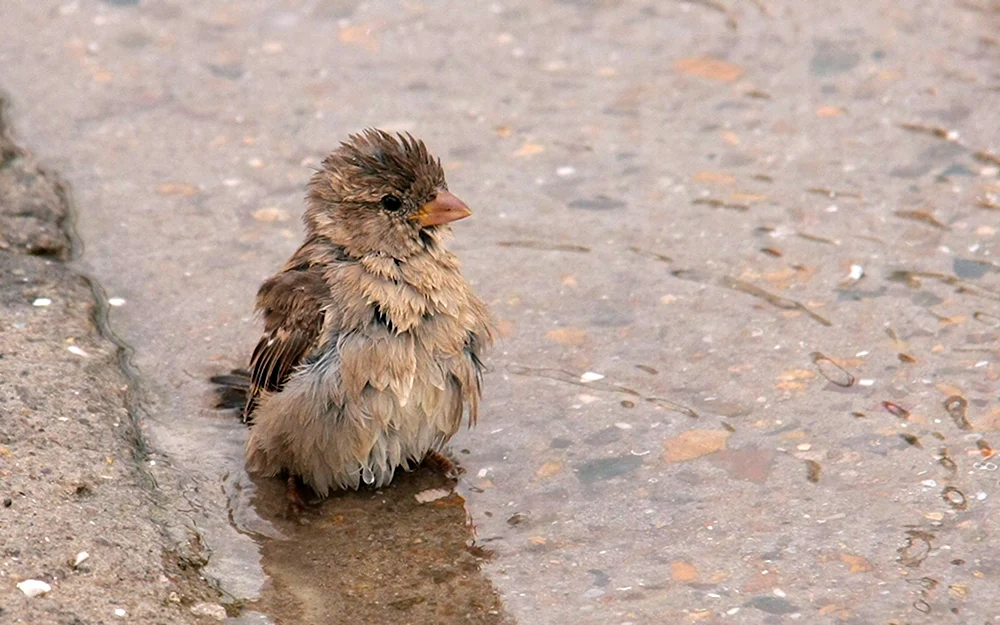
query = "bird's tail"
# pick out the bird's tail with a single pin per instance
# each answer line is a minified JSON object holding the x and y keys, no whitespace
{"x":231,"y":389}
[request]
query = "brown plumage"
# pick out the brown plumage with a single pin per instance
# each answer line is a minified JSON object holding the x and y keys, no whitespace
{"x":372,"y":338}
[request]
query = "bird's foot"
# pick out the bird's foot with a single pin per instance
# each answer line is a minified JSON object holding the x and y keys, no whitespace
{"x":296,"y":505}
{"x":438,"y":461}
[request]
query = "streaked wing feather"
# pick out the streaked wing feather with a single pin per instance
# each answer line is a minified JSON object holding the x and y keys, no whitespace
{"x":291,"y":303}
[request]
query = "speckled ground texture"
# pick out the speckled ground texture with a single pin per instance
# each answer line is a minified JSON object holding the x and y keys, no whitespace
{"x":76,"y":510}
{"x":770,"y":225}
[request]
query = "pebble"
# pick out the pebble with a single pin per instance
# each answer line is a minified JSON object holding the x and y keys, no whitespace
{"x":76,"y":350}
{"x":211,"y":610}
{"x":119,"y":612}
{"x":80,"y":558}
{"x":33,"y":587}
{"x":431,"y":494}
{"x":41,"y":302}
{"x":116,"y":301}
{"x":271,"y":214}
{"x":590,"y":376}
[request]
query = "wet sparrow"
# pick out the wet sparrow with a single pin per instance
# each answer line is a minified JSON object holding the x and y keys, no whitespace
{"x":372,"y":338}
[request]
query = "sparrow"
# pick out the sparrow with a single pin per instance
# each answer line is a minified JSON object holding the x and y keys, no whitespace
{"x":373,"y":341}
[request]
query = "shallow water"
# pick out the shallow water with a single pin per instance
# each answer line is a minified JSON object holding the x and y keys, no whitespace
{"x":677,"y":206}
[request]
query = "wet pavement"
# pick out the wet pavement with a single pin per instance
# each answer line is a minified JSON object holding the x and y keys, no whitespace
{"x":79,"y":514}
{"x":743,"y":255}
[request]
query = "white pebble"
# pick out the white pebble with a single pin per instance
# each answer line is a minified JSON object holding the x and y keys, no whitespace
{"x":623,"y":426}
{"x":565,"y":171}
{"x":41,"y":302}
{"x":76,"y":350}
{"x":779,"y":593}
{"x":590,"y":376}
{"x":866,"y":382}
{"x":119,"y":612}
{"x":116,"y":301}
{"x":929,"y":483}
{"x":33,"y":587}
{"x":431,"y":494}
{"x":857,"y":271}
{"x":80,"y":558}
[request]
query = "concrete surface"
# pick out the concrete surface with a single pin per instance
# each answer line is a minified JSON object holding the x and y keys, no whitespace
{"x":78,"y":513}
{"x":770,"y":226}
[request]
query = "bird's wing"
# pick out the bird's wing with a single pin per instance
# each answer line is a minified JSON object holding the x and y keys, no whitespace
{"x":291,"y":304}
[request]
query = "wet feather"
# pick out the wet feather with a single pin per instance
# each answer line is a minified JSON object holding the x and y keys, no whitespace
{"x":372,"y":343}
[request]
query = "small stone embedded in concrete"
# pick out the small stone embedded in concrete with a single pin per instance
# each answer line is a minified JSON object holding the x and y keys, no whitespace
{"x":33,"y":587}
{"x":694,"y":444}
{"x":548,"y":469}
{"x":271,"y":214}
{"x":41,"y":302}
{"x":119,"y":612}
{"x":73,"y":349}
{"x":682,"y":571}
{"x":116,"y":301}
{"x":772,"y":605}
{"x":80,"y":558}
{"x":431,"y":494}
{"x":590,"y":376}
{"x":211,"y":610}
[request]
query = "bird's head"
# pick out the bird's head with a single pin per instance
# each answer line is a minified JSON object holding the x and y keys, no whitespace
{"x":381,"y":193}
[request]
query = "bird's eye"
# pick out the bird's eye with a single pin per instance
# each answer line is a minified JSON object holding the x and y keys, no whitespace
{"x":391,"y":203}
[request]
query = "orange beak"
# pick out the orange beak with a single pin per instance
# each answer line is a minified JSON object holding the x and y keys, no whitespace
{"x":444,"y":208}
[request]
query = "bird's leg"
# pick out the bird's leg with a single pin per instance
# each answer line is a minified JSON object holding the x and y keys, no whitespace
{"x":296,"y":505}
{"x":443,"y":464}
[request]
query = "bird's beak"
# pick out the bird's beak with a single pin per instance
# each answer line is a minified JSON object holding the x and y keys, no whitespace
{"x":444,"y":208}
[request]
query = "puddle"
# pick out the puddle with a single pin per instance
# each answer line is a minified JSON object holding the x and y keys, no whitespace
{"x":684,"y":363}
{"x":376,"y":557}
{"x":403,"y":553}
